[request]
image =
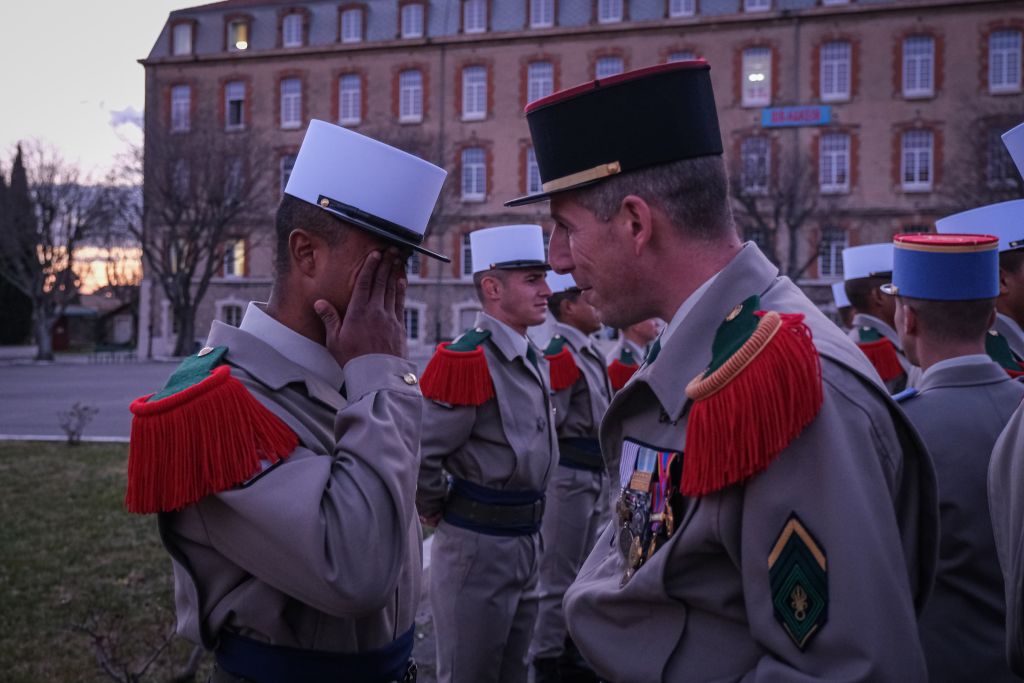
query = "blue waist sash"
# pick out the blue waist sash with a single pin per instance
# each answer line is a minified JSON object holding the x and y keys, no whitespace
{"x":493,"y":511}
{"x":264,"y":663}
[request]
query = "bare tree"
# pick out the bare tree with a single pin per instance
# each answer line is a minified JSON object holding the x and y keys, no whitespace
{"x":782,"y":209}
{"x":51,"y":210}
{"x":201,"y":189}
{"x":983,"y":172}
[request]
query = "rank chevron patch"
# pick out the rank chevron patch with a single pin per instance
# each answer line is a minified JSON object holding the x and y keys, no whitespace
{"x":797,"y":570}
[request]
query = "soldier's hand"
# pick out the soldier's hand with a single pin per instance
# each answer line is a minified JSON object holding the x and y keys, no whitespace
{"x":374,"y":321}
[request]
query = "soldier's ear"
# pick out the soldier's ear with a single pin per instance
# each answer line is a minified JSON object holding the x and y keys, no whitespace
{"x":635,"y":215}
{"x":302,"y":251}
{"x":1004,"y":287}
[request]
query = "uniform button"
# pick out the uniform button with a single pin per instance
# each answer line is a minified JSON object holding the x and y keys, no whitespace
{"x":204,"y":351}
{"x":409,"y":378}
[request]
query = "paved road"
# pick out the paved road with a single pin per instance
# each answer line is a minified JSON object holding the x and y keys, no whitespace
{"x":31,"y":395}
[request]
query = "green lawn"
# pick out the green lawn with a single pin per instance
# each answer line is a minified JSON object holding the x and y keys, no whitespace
{"x":71,"y":559}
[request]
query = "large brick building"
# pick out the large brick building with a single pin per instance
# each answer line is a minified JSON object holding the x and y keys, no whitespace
{"x":898,"y":103}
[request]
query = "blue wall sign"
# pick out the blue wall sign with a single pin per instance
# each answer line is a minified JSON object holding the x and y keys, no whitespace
{"x":778,"y":117}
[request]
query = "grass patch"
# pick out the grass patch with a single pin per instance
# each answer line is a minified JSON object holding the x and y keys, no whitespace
{"x":70,"y":556}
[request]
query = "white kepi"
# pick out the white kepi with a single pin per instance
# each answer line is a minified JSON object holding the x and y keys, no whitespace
{"x":1005,"y":220}
{"x":506,"y":247}
{"x":367,"y":183}
{"x":867,"y":260}
{"x":839,"y":294}
{"x":1014,"y":141}
{"x":560,"y":282}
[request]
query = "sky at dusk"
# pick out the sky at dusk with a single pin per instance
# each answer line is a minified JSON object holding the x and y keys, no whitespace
{"x":70,"y":77}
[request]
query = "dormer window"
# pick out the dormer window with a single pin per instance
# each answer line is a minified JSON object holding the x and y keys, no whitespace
{"x":352,"y":25}
{"x":412,"y":20}
{"x":238,"y":35}
{"x":181,"y":38}
{"x":291,"y":30}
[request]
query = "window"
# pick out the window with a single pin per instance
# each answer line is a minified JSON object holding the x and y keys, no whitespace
{"x":350,"y":100}
{"x":1004,"y":61}
{"x":234,"y":178}
{"x":540,"y":80}
{"x":542,"y":13}
{"x":917,"y":160}
{"x":287,"y":164}
{"x":474,"y":93}
{"x":181,"y":178}
{"x":231,"y":314}
{"x":918,"y":66}
{"x":915,"y":229}
{"x":474,"y":16}
{"x":755,"y":173}
{"x":410,"y":96}
{"x":759,"y":236}
{"x":238,"y":35}
{"x":291,"y":30}
{"x":414,"y":265}
{"x":757,"y":5}
{"x":181,"y":108}
{"x":835,"y":71}
{"x":830,"y":252}
{"x":352,"y":25}
{"x":608,"y":66}
{"x":412,"y":324}
{"x":999,"y":168}
{"x":467,"y":266}
{"x":609,"y":11}
{"x":835,"y":2}
{"x":234,"y":105}
{"x":181,"y":39}
{"x":233,"y":258}
{"x":757,"y":77}
{"x":533,"y":183}
{"x":681,"y":56}
{"x":682,"y":8}
{"x":834,"y":162}
{"x":291,"y":103}
{"x":474,"y":175}
{"x":412,"y":20}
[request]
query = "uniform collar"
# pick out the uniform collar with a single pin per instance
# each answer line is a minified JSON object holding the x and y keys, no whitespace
{"x":576,"y":338}
{"x":883,"y":328}
{"x":962,"y":371}
{"x":303,"y":351}
{"x":685,"y":309}
{"x":269,"y":366}
{"x":508,"y":341}
{"x":687,"y":351}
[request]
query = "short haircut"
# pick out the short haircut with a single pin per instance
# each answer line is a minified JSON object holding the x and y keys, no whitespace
{"x":1011,"y":261}
{"x":293,"y":214}
{"x":858,"y":290}
{"x":478,"y":279}
{"x":694,"y":193}
{"x":952,"y":321}
{"x":556,"y":299}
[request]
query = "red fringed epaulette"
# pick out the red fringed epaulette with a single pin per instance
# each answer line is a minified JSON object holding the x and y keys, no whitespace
{"x":998,"y":349}
{"x":203,"y":433}
{"x":762,"y":389}
{"x":621,"y":369}
{"x":562,"y":367}
{"x":458,"y":372}
{"x":883,"y":355}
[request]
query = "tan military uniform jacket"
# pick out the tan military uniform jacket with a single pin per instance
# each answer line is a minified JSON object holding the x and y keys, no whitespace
{"x":960,"y":409}
{"x":701,"y":608}
{"x":1006,"y":505}
{"x":321,"y":551}
{"x":1008,"y":328}
{"x":507,"y":443}
{"x":913,"y":373}
{"x":579,"y":409}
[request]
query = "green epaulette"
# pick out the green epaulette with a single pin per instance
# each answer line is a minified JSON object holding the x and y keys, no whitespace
{"x":556,"y":345}
{"x":470,"y":340}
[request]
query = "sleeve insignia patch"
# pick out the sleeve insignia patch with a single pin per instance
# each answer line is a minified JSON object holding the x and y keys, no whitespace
{"x":798,"y":574}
